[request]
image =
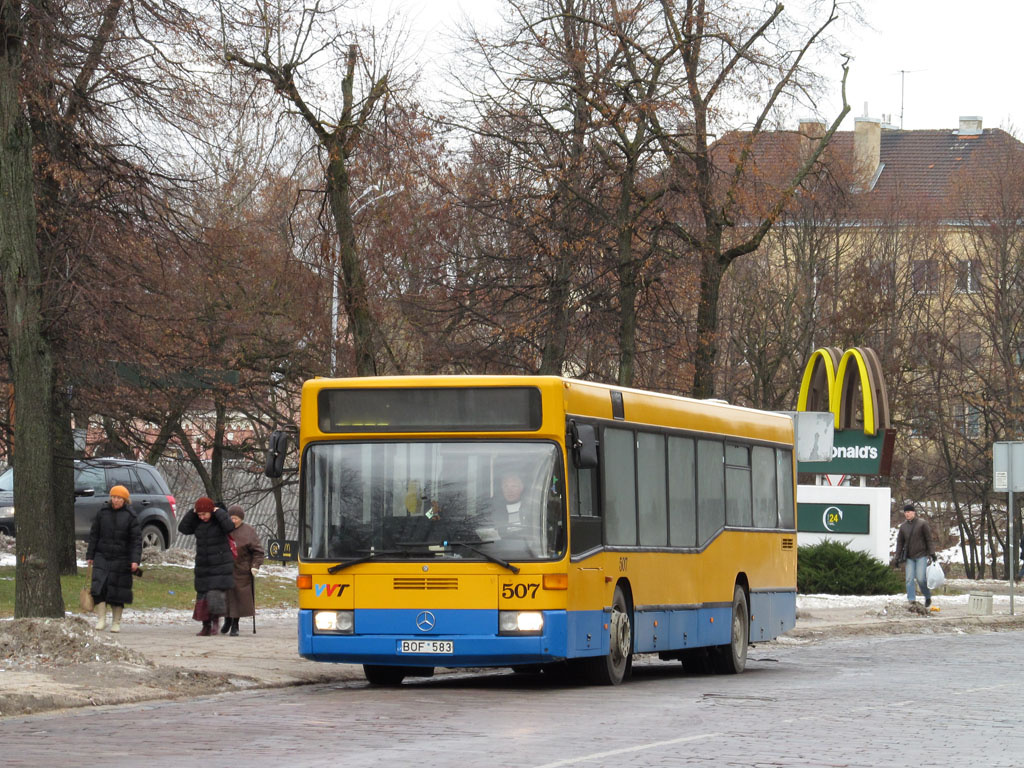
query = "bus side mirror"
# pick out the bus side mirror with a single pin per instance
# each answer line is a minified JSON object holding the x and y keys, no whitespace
{"x":584,"y":445}
{"x":275,"y":454}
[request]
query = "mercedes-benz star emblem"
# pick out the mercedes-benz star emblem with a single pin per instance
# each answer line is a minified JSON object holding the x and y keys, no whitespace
{"x":425,"y":621}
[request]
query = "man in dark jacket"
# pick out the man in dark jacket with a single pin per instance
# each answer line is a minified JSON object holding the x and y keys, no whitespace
{"x":915,"y":545}
{"x":215,"y":564}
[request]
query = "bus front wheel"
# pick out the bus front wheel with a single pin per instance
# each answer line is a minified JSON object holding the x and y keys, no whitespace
{"x":377,"y":674}
{"x":731,"y":659}
{"x":616,"y":666}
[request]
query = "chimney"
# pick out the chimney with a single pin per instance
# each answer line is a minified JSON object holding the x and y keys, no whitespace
{"x":969,"y":126}
{"x":867,"y":149}
{"x":811,"y":130}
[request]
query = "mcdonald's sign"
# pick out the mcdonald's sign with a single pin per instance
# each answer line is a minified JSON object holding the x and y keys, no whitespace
{"x":850,"y":385}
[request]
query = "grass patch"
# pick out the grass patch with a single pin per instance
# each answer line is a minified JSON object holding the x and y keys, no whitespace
{"x":161,"y":587}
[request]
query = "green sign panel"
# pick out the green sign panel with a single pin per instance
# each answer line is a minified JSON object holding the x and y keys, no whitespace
{"x":854,"y":453}
{"x":833,"y":518}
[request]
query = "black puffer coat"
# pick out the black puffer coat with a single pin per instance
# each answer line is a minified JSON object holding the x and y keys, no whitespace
{"x":115,"y":542}
{"x":215,"y":565}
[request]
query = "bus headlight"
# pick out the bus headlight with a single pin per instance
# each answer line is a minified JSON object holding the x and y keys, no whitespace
{"x":333,"y":622}
{"x":520,"y":622}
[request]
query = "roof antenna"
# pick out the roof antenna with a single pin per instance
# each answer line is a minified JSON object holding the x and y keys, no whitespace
{"x":903,"y":77}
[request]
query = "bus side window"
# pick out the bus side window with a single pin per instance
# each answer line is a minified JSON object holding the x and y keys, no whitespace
{"x":585,"y":505}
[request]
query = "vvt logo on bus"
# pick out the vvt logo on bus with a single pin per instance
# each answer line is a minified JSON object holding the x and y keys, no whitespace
{"x":330,"y":590}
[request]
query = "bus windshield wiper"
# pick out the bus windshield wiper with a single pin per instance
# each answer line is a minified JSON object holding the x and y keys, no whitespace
{"x":369,"y":556}
{"x":484,"y":555}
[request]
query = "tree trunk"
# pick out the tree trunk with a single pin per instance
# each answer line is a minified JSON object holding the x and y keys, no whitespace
{"x":217,"y":453}
{"x":194,"y":458}
{"x":556,"y":336}
{"x":64,"y":484}
{"x":37,"y":579}
{"x":711,"y":271}
{"x":159,"y":445}
{"x":354,"y":295}
{"x":627,"y":270}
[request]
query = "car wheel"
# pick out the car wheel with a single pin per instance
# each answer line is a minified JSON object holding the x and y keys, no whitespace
{"x":152,"y":536}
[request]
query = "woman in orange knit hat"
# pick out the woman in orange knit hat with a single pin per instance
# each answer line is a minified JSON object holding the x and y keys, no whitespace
{"x":115,"y":550}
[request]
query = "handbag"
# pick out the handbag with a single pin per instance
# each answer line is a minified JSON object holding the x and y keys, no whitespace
{"x":934,"y":576}
{"x":202,"y":610}
{"x":85,"y":599}
{"x":234,"y":547}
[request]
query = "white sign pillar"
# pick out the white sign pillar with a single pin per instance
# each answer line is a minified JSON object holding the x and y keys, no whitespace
{"x":1007,"y":477}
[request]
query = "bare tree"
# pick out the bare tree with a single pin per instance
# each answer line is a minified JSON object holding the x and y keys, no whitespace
{"x":291,"y":46}
{"x":729,"y":56}
{"x":787,"y":298}
{"x":37,"y":582}
{"x":980,"y":387}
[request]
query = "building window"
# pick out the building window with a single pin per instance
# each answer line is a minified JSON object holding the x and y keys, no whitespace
{"x":967,"y":276}
{"x":924,"y":275}
{"x":881,"y":277}
{"x":1018,"y":354}
{"x":970,"y":344}
{"x":967,"y":420}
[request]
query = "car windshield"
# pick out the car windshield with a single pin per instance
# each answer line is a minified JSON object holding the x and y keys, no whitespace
{"x":433,"y":500}
{"x":7,"y":481}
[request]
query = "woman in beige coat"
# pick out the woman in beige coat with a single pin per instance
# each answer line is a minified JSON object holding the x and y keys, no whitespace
{"x":248,"y":559}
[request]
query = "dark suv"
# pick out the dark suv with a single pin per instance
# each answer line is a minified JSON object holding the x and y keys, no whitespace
{"x":94,"y":478}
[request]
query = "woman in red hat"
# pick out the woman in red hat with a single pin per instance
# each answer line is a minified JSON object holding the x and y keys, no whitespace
{"x":215,"y":564}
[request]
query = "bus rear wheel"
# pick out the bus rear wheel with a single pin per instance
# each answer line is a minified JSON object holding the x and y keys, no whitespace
{"x":377,"y":674}
{"x":616,"y":666}
{"x":731,"y":659}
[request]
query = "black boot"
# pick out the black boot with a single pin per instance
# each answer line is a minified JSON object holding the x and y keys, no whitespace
{"x":234,"y":628}
{"x":227,"y":625}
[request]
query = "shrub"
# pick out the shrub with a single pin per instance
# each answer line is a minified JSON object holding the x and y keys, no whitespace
{"x":833,"y":568}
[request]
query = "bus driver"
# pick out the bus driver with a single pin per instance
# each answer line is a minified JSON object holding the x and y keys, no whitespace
{"x":507,"y":511}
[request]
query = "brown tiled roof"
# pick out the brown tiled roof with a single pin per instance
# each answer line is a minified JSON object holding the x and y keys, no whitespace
{"x":926,"y":171}
{"x":932,"y":165}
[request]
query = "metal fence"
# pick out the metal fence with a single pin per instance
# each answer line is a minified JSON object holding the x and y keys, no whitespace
{"x":241,"y":486}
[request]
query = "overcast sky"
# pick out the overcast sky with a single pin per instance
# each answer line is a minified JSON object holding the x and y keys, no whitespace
{"x":960,"y":57}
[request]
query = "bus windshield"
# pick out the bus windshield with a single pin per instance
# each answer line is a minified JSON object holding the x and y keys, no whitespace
{"x":452,"y":500}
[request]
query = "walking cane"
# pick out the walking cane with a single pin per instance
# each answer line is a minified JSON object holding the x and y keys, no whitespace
{"x":252,"y":583}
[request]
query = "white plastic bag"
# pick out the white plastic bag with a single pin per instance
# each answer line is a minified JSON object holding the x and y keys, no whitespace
{"x":934,"y":576}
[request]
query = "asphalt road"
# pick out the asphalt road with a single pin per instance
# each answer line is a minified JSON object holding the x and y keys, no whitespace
{"x":909,"y":700}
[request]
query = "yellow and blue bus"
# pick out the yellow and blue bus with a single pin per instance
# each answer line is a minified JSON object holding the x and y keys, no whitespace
{"x":538,"y":522}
